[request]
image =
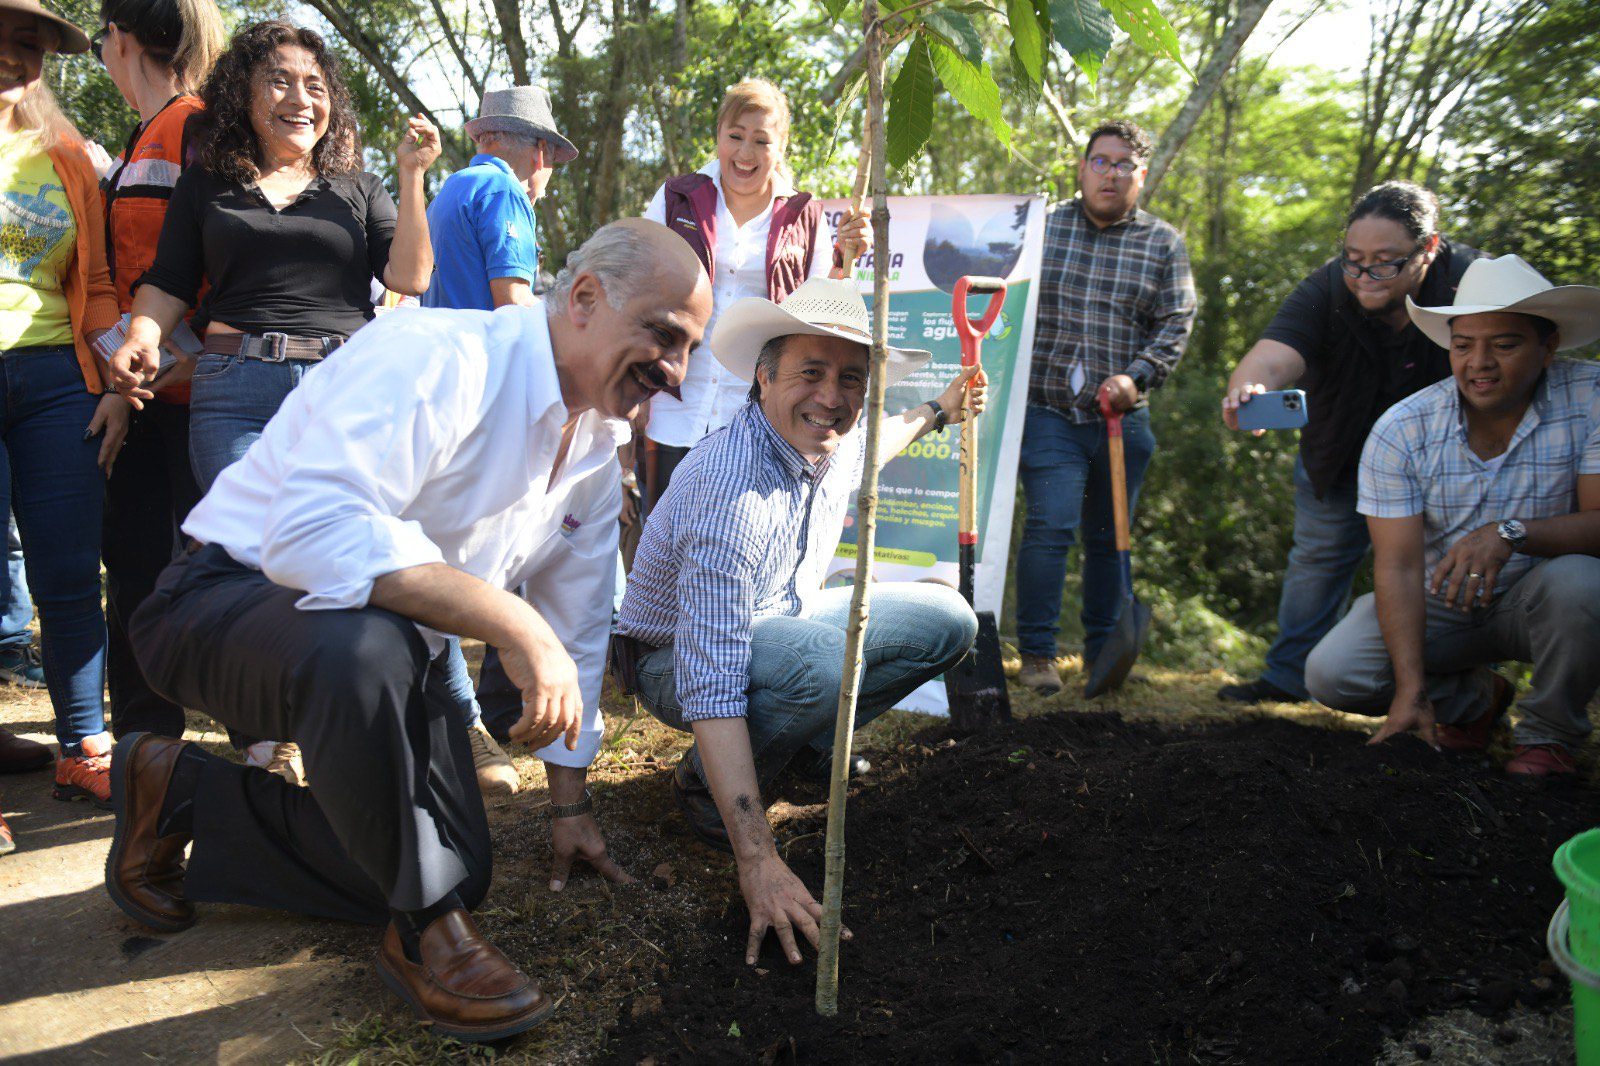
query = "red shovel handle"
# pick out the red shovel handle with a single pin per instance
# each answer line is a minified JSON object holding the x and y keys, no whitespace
{"x":968,"y":331}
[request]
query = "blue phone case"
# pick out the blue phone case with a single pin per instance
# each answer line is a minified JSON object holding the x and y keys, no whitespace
{"x":1274,"y":410}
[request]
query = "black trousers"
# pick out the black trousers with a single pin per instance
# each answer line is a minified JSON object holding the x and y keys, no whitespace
{"x":149,"y":494}
{"x":393,"y":817}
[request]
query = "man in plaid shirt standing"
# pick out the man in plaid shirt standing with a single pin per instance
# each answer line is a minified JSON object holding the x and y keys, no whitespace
{"x":1116,"y":305}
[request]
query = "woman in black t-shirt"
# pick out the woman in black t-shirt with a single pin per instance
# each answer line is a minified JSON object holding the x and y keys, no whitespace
{"x":283,"y":229}
{"x":284,"y":233}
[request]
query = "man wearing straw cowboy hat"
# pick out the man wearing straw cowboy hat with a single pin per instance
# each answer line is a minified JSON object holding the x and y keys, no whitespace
{"x":486,"y":255}
{"x":725,"y":630}
{"x":1482,"y":493}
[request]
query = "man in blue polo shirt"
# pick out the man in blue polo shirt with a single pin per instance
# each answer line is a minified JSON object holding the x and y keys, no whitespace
{"x":485,"y":239}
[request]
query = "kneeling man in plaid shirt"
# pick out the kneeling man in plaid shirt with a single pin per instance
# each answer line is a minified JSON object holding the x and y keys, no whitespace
{"x":1482,"y":493}
{"x":726,"y":631}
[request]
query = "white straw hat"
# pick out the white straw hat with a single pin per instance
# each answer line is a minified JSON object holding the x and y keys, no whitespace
{"x":821,"y":307}
{"x":1510,"y":284}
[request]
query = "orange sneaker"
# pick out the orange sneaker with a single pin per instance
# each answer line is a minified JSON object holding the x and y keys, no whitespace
{"x":87,"y":776}
{"x":1541,"y":760}
{"x":7,"y":844}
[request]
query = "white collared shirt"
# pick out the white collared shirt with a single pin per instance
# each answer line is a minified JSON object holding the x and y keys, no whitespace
{"x":713,"y":394}
{"x":429,"y":438}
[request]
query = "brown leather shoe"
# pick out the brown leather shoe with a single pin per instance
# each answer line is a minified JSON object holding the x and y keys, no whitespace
{"x":144,"y":872}
{"x":699,"y":809}
{"x":463,"y":986}
{"x":19,"y":755}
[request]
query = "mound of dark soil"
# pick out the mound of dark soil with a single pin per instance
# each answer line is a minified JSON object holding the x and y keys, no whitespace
{"x":1076,"y":889}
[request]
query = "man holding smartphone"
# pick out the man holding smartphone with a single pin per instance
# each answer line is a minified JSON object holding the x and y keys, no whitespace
{"x":1344,"y":336}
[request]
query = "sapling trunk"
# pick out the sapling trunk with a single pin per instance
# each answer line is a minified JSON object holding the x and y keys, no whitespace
{"x":866,"y":526}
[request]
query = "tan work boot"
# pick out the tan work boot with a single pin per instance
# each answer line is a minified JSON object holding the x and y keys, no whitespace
{"x":1040,"y":674}
{"x":496,"y":775}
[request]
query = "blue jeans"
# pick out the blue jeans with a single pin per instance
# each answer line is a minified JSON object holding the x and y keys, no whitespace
{"x":915,"y":632}
{"x":1066,"y":474}
{"x":232,"y":400}
{"x":16,"y":606}
{"x":50,"y":478}
{"x":1330,"y":540}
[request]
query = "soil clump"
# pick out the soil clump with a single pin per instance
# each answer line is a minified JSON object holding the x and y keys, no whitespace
{"x":1076,"y":888}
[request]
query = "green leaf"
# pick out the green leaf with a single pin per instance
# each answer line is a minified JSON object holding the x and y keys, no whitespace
{"x":957,"y":31}
{"x":973,"y":87}
{"x":910,"y":121}
{"x":1027,"y":38}
{"x":835,"y":8}
{"x":1084,"y":29}
{"x":1148,"y":28}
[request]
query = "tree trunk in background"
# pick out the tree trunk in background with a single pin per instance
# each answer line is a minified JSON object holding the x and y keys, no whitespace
{"x":1176,"y":135}
{"x":609,"y":120}
{"x":346,"y":26}
{"x":509,"y":14}
{"x":1212,"y":327}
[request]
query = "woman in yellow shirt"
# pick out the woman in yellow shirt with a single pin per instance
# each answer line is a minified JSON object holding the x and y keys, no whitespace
{"x":56,"y":298}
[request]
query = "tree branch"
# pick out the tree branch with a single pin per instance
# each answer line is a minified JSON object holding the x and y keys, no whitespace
{"x":1176,"y":135}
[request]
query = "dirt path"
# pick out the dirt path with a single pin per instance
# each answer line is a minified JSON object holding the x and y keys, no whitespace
{"x":81,"y":983}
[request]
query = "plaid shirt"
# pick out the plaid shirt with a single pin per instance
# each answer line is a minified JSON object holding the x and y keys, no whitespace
{"x":1118,"y":300}
{"x":743,"y":531}
{"x":1417,"y":462}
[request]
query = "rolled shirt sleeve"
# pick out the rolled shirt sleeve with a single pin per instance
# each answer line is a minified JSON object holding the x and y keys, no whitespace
{"x":335,"y":523}
{"x":573,"y":592}
{"x":506,"y":232}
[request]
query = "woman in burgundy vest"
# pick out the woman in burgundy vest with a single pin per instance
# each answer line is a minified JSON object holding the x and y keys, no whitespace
{"x":757,"y":236}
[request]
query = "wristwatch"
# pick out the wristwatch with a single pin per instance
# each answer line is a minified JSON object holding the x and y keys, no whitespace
{"x":572,"y":810}
{"x":939,"y":419}
{"x":1513,"y":533}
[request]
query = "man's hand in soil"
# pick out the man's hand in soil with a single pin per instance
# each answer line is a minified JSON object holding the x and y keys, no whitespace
{"x":780,"y":901}
{"x":576,"y":837}
{"x":1408,"y":711}
{"x":1465,"y":577}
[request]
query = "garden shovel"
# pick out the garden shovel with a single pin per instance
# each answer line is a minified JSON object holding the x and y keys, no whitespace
{"x":976,"y":686}
{"x":1121,"y":649}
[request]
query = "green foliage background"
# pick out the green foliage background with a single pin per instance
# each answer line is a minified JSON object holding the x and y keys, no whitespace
{"x":1260,"y":190}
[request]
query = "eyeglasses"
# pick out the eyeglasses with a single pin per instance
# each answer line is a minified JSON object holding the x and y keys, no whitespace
{"x":97,"y":42}
{"x":1378,"y":271}
{"x":1101,"y":165}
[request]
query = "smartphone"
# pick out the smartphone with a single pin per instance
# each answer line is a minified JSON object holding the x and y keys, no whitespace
{"x":1274,"y":410}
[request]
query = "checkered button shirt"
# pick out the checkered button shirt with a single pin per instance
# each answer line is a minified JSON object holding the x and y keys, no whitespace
{"x":1118,"y":300}
{"x":1417,"y":462}
{"x":744,"y":531}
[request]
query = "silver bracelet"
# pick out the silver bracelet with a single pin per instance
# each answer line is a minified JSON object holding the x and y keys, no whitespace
{"x":572,"y":810}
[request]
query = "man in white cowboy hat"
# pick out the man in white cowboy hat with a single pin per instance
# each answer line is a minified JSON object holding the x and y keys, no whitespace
{"x":1482,"y":493}
{"x":486,"y":255}
{"x":485,"y":238}
{"x":725,"y":630}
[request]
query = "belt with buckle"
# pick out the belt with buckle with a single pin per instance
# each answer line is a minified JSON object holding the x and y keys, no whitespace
{"x":272,"y":347}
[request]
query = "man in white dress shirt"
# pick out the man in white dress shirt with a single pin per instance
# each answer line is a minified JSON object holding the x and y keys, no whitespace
{"x":438,"y":459}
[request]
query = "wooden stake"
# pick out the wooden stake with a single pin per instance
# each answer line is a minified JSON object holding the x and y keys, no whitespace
{"x":866,"y":528}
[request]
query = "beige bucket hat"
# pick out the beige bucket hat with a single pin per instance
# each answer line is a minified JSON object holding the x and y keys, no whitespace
{"x":821,"y":307}
{"x":1510,"y":284}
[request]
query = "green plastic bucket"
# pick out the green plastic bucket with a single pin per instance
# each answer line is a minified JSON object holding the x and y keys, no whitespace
{"x":1574,"y":938}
